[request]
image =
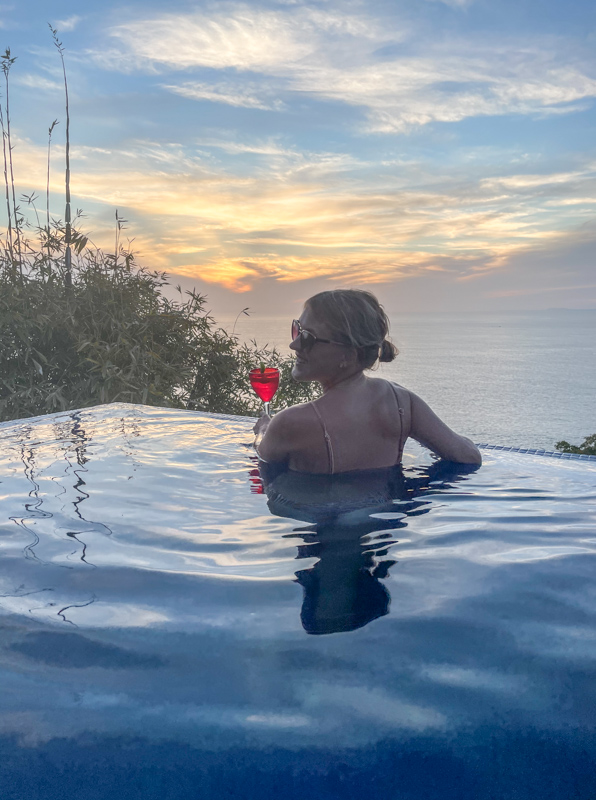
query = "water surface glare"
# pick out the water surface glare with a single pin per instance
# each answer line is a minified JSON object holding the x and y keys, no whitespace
{"x":170,"y":632}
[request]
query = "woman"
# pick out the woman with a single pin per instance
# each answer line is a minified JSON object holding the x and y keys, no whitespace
{"x":360,"y":422}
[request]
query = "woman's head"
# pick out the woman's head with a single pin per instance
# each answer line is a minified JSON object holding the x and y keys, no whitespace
{"x":356,"y":319}
{"x":350,"y":329}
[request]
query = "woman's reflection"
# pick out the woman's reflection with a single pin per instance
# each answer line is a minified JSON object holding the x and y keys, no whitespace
{"x":343,"y":590}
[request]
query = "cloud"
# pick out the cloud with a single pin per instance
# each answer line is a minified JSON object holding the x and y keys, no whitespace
{"x":348,"y":58}
{"x":300,"y":216}
{"x":454,"y":3}
{"x":250,"y":38}
{"x":411,"y":92}
{"x":572,"y":201}
{"x":38,"y":82}
{"x":68,"y":24}
{"x":241,"y":97}
{"x":267,"y":148}
{"x":540,"y":290}
{"x":242,"y":274}
{"x":532,"y":181}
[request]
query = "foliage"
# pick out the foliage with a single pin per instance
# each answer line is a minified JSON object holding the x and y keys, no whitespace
{"x":587,"y":447}
{"x":112,"y":336}
{"x":80,"y":327}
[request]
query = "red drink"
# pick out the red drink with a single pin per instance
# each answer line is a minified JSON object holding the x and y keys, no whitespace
{"x":264,"y":382}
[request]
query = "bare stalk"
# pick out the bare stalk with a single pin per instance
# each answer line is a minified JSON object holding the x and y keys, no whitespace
{"x":50,"y":129}
{"x":246,"y":312}
{"x":30,"y":200}
{"x":68,"y":229}
{"x":7,"y":63}
{"x":120,"y":226}
{"x":117,"y":242}
{"x":8,"y":208}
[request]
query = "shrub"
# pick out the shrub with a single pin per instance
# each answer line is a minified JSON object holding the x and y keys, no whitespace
{"x":112,"y":336}
{"x":587,"y":447}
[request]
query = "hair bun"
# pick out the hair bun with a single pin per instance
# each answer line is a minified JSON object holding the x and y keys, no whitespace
{"x":388,"y":351}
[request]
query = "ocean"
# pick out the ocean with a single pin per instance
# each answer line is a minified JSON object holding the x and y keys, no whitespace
{"x":524,"y":379}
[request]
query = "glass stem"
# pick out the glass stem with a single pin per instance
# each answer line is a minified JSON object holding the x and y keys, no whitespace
{"x":266,"y":407}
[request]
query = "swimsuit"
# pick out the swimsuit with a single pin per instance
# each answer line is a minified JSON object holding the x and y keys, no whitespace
{"x":320,"y":498}
{"x":328,"y":438}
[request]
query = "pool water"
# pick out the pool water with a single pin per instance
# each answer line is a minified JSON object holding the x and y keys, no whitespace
{"x":177,"y":625}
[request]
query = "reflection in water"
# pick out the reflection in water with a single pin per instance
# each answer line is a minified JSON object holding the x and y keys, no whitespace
{"x":33,"y":509}
{"x":75,"y":605}
{"x":63,"y":458}
{"x":342,"y":590}
{"x":355,"y":516}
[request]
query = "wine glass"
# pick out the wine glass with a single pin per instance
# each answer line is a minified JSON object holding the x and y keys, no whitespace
{"x":264,"y":380}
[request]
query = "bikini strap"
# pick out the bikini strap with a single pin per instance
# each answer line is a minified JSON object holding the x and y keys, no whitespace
{"x":401,"y":444}
{"x":327,"y":439}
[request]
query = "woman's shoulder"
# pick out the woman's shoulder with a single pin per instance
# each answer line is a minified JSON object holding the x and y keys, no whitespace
{"x":376,"y":381}
{"x":382,"y":384}
{"x":292,"y":418}
{"x":286,"y":433}
{"x":396,"y":385}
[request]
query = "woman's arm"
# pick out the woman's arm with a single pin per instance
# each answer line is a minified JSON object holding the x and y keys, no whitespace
{"x":432,"y":432}
{"x":278,"y":434}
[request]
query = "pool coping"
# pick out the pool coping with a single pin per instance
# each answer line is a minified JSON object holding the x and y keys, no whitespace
{"x":235,"y":417}
{"x":537,"y":452}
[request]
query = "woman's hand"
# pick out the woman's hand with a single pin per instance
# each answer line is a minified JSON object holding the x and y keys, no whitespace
{"x":262,"y":424}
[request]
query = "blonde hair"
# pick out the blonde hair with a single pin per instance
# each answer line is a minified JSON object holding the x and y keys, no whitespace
{"x":356,"y":318}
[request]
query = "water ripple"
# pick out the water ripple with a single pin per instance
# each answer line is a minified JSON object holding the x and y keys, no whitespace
{"x":154,"y":585}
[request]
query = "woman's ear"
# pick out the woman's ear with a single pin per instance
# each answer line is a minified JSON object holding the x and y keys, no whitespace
{"x":351,"y":357}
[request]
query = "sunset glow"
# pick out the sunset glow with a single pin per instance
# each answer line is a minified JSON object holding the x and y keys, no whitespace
{"x":443,"y":152}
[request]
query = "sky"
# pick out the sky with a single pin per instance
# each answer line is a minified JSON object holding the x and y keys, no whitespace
{"x":440,"y":153}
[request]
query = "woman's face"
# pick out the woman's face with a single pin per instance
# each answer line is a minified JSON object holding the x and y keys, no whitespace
{"x":323,"y":361}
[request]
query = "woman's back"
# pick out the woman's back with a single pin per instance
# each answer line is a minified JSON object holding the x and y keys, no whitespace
{"x":359,"y":426}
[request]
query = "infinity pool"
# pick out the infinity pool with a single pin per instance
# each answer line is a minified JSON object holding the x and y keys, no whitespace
{"x":167,"y":634}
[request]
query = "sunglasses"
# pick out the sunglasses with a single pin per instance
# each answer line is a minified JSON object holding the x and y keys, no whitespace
{"x":308,"y":339}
